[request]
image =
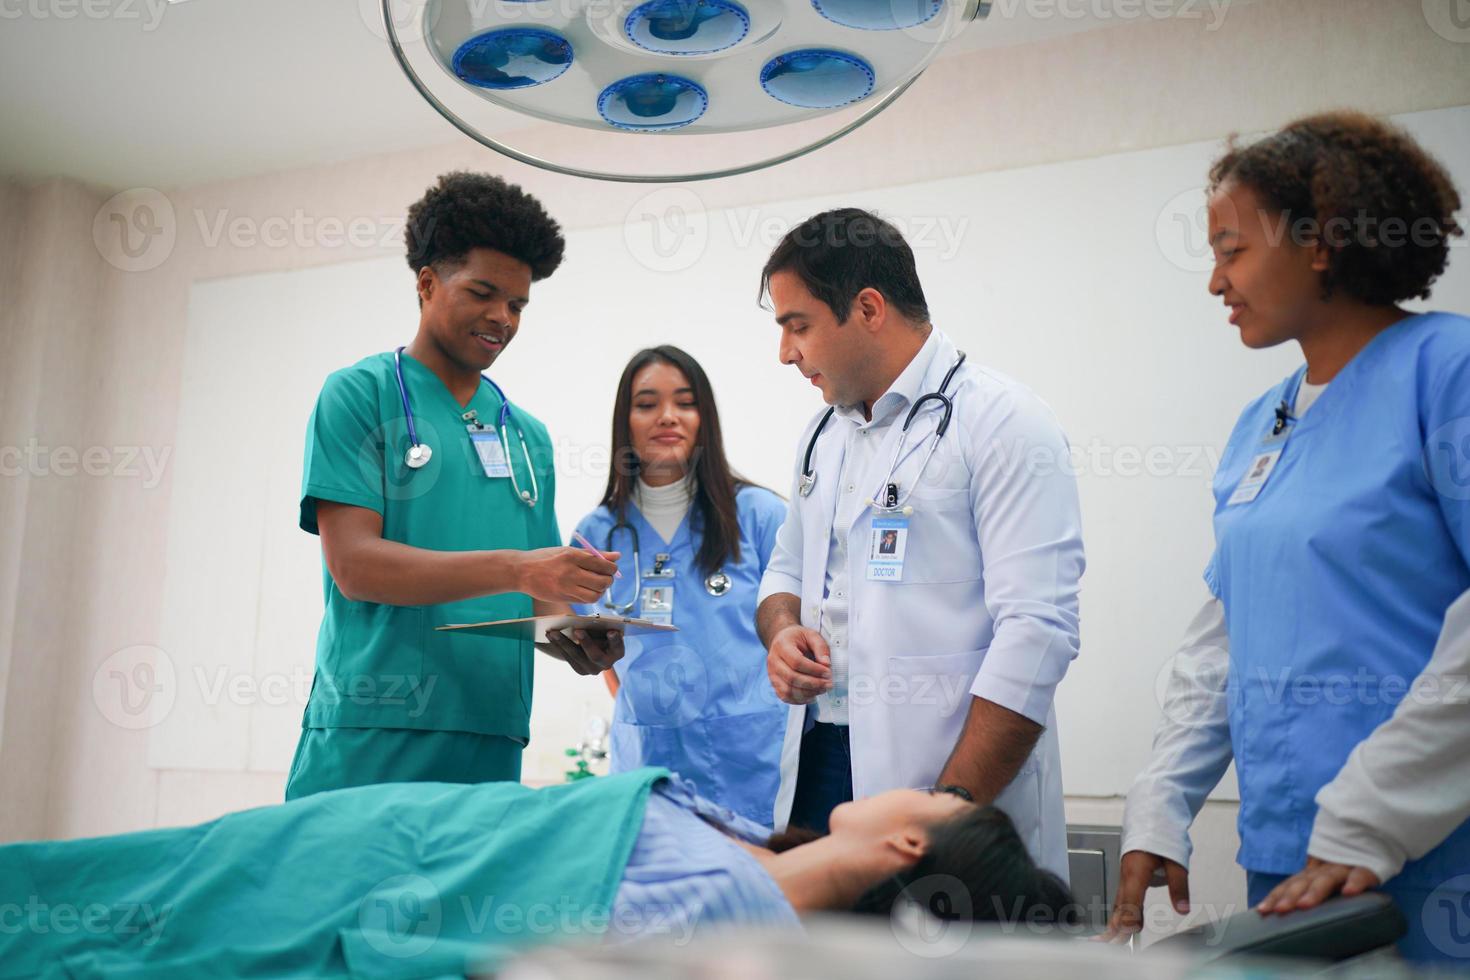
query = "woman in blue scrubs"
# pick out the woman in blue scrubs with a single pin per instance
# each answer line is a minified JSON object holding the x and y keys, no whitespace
{"x":694,"y":539}
{"x":1342,"y":521}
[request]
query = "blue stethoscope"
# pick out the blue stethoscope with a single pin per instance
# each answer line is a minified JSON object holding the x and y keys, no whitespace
{"x":716,"y":583}
{"x":889,"y":501}
{"x":419,"y":453}
{"x":624,"y":608}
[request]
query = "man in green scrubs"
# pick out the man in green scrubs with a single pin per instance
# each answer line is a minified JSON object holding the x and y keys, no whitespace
{"x":469,"y":535}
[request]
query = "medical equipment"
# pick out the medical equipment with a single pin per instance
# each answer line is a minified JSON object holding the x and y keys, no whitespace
{"x":419,"y":453}
{"x":892,"y":502}
{"x":706,"y":70}
{"x":626,"y":608}
{"x":717,"y":583}
{"x":591,"y":750}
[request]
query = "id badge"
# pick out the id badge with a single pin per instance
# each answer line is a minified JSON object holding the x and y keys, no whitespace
{"x":886,"y":546}
{"x":657,"y":600}
{"x":491,"y":452}
{"x":1261,"y":466}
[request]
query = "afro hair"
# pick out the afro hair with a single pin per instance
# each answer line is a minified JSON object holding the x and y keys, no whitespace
{"x":467,"y":210}
{"x":1393,"y":203}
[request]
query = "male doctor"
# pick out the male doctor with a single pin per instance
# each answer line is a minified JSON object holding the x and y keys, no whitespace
{"x":920,"y":606}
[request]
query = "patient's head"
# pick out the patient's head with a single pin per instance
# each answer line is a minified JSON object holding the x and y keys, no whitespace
{"x":958,"y":860}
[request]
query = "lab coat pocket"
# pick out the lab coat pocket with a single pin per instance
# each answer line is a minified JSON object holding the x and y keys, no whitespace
{"x":925,"y":699}
{"x":942,"y":545}
{"x":1021,"y":801}
{"x":941,"y":498}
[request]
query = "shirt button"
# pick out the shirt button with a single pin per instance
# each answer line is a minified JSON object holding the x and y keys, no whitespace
{"x":850,"y":488}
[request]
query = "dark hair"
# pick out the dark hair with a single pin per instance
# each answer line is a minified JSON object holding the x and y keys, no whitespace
{"x":1349,"y":170}
{"x":715,"y":484}
{"x":976,"y":868}
{"x":837,"y":254}
{"x":468,"y":210}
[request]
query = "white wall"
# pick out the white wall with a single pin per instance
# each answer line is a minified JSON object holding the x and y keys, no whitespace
{"x":87,"y":562}
{"x":1069,"y":276}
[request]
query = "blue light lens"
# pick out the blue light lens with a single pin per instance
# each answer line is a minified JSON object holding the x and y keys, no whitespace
{"x":878,"y":15}
{"x":817,"y":79}
{"x":687,"y":26}
{"x":651,"y":103}
{"x":515,"y":57}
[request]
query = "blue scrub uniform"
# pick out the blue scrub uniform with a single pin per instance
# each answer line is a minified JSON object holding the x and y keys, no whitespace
{"x":393,"y":700}
{"x":699,"y":701}
{"x":1335,"y":579}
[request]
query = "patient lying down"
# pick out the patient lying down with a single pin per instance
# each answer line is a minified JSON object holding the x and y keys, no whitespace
{"x":429,"y":879}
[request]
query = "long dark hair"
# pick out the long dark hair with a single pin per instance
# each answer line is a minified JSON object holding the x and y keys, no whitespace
{"x":976,"y":868}
{"x":715,"y":484}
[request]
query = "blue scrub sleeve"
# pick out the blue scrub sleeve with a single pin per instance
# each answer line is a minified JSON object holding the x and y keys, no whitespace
{"x":1219,"y":489}
{"x":770,"y":514}
{"x":1446,"y":419}
{"x":344,"y":448}
{"x":590,"y":527}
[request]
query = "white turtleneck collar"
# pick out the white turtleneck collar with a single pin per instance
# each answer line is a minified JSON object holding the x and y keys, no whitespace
{"x":664,"y":507}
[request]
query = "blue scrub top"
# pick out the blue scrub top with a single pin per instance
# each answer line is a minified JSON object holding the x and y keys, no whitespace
{"x":699,"y":701}
{"x":1336,"y":578}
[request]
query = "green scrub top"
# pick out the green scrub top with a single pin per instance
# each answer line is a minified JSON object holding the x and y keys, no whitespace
{"x":382,"y":666}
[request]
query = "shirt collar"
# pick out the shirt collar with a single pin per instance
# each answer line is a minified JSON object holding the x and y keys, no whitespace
{"x":904,"y":391}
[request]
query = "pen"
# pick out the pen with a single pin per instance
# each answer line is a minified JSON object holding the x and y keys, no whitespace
{"x":577,"y":537}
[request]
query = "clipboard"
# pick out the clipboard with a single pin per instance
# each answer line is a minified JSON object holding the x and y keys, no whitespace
{"x":534,"y":628}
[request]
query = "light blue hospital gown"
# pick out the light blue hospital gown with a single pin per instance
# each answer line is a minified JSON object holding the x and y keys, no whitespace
{"x":684,"y":877}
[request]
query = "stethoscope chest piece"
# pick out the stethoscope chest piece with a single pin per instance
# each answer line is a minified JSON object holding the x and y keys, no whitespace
{"x":417,"y":456}
{"x":717,"y":584}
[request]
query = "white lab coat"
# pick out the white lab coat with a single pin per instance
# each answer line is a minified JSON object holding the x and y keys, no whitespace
{"x":988,"y":601}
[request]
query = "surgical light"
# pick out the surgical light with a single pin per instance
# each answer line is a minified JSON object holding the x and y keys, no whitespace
{"x":648,"y":80}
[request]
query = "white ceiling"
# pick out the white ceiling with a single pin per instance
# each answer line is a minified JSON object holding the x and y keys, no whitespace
{"x":124,"y":93}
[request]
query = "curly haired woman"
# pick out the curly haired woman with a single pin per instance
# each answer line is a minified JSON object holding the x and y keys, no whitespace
{"x":1342,"y":537}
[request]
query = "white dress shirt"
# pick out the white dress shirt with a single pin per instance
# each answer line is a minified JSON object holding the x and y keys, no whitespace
{"x":864,"y":438}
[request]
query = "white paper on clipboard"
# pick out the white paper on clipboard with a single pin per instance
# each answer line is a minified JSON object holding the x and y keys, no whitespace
{"x":534,"y":628}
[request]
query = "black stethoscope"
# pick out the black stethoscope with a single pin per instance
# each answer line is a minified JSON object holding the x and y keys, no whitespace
{"x":891,"y":501}
{"x":419,"y":453}
{"x":715,"y":583}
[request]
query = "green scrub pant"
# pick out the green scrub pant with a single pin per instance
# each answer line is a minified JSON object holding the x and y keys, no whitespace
{"x":335,"y":758}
